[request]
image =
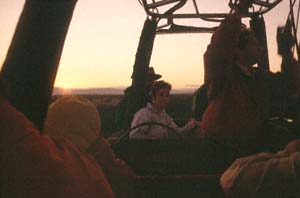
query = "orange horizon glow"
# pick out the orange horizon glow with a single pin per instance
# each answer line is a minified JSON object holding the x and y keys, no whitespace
{"x":103,"y":38}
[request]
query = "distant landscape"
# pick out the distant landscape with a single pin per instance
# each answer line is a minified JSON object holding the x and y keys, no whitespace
{"x":108,"y":91}
{"x":107,"y":100}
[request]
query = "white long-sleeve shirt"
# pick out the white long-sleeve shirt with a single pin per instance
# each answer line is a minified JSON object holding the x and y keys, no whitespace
{"x":149,"y":114}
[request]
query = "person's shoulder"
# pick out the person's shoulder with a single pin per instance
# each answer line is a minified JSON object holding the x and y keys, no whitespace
{"x":140,"y":116}
{"x":142,"y":111}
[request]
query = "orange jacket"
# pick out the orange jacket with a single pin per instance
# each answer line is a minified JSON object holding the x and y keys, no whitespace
{"x":35,"y":166}
{"x":120,"y":176}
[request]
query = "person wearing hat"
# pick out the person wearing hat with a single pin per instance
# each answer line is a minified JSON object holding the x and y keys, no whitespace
{"x":77,"y":119}
{"x":36,"y":165}
{"x":151,"y":78}
{"x":134,"y":99}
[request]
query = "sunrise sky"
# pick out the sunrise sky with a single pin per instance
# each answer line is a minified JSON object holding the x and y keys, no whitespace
{"x":103,"y":37}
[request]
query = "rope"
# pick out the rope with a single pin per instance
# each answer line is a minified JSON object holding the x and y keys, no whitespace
{"x":291,"y":17}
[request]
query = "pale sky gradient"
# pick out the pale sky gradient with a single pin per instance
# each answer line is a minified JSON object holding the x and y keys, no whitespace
{"x":103,"y":38}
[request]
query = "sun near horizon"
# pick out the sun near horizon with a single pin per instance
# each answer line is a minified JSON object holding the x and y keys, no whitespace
{"x":103,"y":37}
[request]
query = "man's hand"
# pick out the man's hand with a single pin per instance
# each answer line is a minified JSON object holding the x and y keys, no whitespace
{"x":194,"y":122}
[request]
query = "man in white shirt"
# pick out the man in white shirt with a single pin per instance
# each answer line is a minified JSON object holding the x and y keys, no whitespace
{"x":155,"y":112}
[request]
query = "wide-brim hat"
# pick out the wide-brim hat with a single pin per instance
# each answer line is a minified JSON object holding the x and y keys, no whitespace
{"x":151,"y":75}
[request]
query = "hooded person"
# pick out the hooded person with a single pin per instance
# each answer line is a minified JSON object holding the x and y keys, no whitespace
{"x":35,"y":165}
{"x":77,"y":119}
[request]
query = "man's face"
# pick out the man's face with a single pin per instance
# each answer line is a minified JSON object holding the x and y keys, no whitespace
{"x":162,"y":98}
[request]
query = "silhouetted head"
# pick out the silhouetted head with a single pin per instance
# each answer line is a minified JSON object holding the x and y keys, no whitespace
{"x":151,"y":77}
{"x":249,"y":50}
{"x":74,"y":118}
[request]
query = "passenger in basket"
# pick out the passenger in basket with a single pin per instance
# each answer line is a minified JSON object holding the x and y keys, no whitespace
{"x":74,"y":118}
{"x":155,"y":112}
{"x":77,"y":119}
{"x":239,"y":94}
{"x":134,"y":99}
{"x":35,"y":165}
